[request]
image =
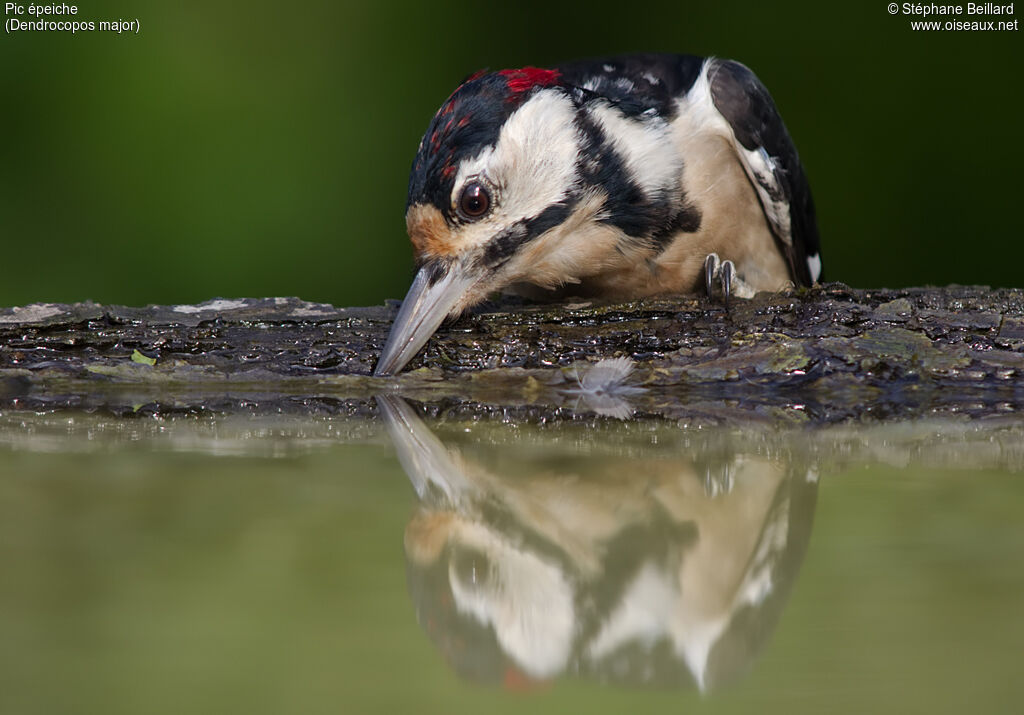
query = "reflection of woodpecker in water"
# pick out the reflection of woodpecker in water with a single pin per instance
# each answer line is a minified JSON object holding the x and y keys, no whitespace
{"x":612,"y":566}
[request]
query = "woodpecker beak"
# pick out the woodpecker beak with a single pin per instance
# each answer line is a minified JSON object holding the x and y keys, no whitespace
{"x":425,"y":307}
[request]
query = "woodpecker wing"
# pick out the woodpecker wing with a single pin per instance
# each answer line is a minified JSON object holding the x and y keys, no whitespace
{"x":642,"y":83}
{"x":771,"y":161}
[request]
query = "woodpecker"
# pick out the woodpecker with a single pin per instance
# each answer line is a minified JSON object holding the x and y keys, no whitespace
{"x":571,"y":564}
{"x":621,"y":178}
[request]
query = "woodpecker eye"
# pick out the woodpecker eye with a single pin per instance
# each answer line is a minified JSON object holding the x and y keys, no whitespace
{"x":474,"y":201}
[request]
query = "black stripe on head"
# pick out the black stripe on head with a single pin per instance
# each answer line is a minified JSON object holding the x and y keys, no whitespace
{"x":466,"y":124}
{"x":601,"y":166}
{"x":503,"y":246}
{"x":653,"y":218}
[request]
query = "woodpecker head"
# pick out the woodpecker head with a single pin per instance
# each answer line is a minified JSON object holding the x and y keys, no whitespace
{"x":500,"y":193}
{"x":574,"y":175}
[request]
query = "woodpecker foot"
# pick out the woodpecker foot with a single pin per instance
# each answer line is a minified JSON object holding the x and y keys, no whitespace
{"x":729,"y":282}
{"x":724,"y":272}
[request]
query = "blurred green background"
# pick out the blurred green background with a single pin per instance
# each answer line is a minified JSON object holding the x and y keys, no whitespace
{"x":260,"y":149}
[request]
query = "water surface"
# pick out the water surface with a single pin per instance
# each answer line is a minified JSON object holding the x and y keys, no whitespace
{"x":413,"y":558}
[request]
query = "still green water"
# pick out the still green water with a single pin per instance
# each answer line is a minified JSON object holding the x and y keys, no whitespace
{"x":339,"y":564}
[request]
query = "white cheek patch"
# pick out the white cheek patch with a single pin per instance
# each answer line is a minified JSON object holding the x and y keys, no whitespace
{"x":645,"y":147}
{"x":472,"y":167}
{"x":525,"y":598}
{"x":532,"y":165}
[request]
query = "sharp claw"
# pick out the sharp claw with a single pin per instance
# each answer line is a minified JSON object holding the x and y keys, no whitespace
{"x":728,"y":274}
{"x":711,"y":267}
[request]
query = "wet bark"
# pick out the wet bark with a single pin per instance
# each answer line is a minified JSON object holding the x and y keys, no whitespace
{"x":819,"y":355}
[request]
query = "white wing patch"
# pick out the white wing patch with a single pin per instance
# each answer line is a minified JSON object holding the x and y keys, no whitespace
{"x":758,"y":165}
{"x":814,"y":264}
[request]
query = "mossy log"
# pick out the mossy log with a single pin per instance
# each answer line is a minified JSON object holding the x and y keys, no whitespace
{"x":819,"y":355}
